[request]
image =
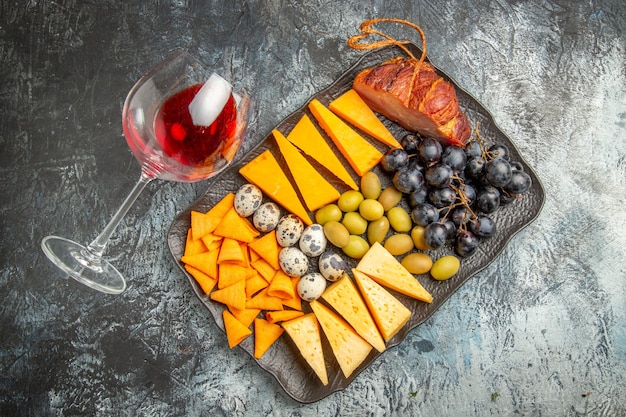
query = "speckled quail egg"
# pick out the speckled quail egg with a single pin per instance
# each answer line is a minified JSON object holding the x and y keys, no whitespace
{"x":313,"y":240}
{"x":266,"y":217}
{"x":288,"y":230}
{"x":332,"y":266}
{"x":311,"y":286}
{"x":247,"y":199}
{"x":293,"y":262}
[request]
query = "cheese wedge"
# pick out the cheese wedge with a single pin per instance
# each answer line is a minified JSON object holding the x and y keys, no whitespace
{"x":345,"y":299}
{"x":349,"y":348}
{"x":264,"y":172}
{"x":361,"y":154}
{"x":388,"y":312}
{"x":305,"y":333}
{"x":309,"y":140}
{"x":351,"y":108}
{"x":385,"y":269}
{"x":315,"y":190}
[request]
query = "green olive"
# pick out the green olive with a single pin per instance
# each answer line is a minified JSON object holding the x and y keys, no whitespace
{"x":417,"y":233}
{"x":355,"y":224}
{"x":327,"y":213}
{"x":399,"y":219}
{"x":390,"y":197}
{"x":417,"y":263}
{"x":371,"y":209}
{"x":377,"y":230}
{"x":336,"y":233}
{"x":399,"y":244}
{"x":370,"y":185}
{"x":445,"y":267}
{"x":356,"y":247}
{"x":350,"y":201}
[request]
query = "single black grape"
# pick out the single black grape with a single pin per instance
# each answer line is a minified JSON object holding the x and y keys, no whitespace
{"x":451,"y":228}
{"x":520,"y":182}
{"x":410,"y":142}
{"x":455,"y":158}
{"x":498,"y":172}
{"x":469,"y":191}
{"x":442,"y":197}
{"x":435,"y":235}
{"x":499,"y":151}
{"x":516,"y":166}
{"x":483,"y":226}
{"x":408,"y":180}
{"x":475,"y":166}
{"x":418,"y":197}
{"x":394,"y":159}
{"x":424,"y":214}
{"x":472,"y":149}
{"x":429,"y":150}
{"x":460,"y":216}
{"x":488,"y":199}
{"x":466,"y":243}
{"x":438,"y":175}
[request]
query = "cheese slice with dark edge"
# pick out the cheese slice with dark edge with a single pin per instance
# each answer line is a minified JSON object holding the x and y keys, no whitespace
{"x":265,"y":172}
{"x":305,"y":333}
{"x":315,"y":190}
{"x":361,"y":154}
{"x":388,"y":312}
{"x":349,"y":348}
{"x":351,"y":108}
{"x":310,"y":141}
{"x":385,"y":269}
{"x":345,"y":299}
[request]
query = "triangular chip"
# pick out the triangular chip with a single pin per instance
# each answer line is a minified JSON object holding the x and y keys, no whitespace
{"x":245,"y":316}
{"x":233,"y":295}
{"x":361,"y":154}
{"x":264,"y":301}
{"x":266,"y":270}
{"x":349,"y":348}
{"x":205,"y":262}
{"x":385,"y":269}
{"x":235,"y":227}
{"x":255,"y":284}
{"x":315,"y":190}
{"x":222,"y":206}
{"x":206,"y":282}
{"x":236,"y":332}
{"x":267,"y":248}
{"x":230,"y":273}
{"x":265,"y":334}
{"x":305,"y":333}
{"x":230,"y":251}
{"x":265,"y":172}
{"x":388,"y":312}
{"x":211,"y":241}
{"x":282,"y":315}
{"x":344,"y":297}
{"x":193,"y":247}
{"x":306,"y":137}
{"x":353,"y":109}
{"x":281,"y":286}
{"x":295,"y":302}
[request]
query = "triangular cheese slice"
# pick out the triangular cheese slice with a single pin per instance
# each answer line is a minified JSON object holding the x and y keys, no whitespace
{"x":353,"y":109}
{"x":265,"y":172}
{"x":265,"y":334}
{"x":385,"y":269}
{"x":349,"y":348}
{"x":315,"y":190}
{"x":361,"y":154}
{"x":305,"y":333}
{"x":345,"y":299}
{"x":388,"y":312}
{"x":306,"y":137}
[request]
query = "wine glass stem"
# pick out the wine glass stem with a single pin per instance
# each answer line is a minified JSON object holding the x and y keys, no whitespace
{"x":99,"y":243}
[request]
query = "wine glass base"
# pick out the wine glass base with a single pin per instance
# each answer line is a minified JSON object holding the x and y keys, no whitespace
{"x":82,"y":265}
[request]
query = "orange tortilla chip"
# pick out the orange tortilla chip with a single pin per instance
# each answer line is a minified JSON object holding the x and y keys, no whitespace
{"x":235,"y":227}
{"x":206,"y":282}
{"x":282,"y":315}
{"x":264,"y":301}
{"x":205,"y":262}
{"x":255,"y":284}
{"x":231,"y":273}
{"x":281,"y":286}
{"x":245,"y":316}
{"x":295,"y":302}
{"x":265,"y":334}
{"x":234,"y":295}
{"x":236,"y":332}
{"x":267,"y":247}
{"x":202,"y":224}
{"x":221,"y":208}
{"x":193,"y":247}
{"x":211,"y":241}
{"x":230,"y":251}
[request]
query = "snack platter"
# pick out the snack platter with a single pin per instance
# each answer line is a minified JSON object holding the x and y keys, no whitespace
{"x":283,"y":360}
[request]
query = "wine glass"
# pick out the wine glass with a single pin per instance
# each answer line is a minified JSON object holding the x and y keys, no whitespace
{"x":183,"y":123}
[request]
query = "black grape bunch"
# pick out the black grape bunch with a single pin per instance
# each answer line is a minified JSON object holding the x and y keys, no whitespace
{"x":454,"y":192}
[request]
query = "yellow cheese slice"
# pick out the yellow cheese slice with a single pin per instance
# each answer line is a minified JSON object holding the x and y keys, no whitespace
{"x":349,"y":348}
{"x":345,"y":299}
{"x":264,"y":172}
{"x":305,"y":333}
{"x":351,"y":108}
{"x":316,"y":191}
{"x":388,"y":312}
{"x":385,"y":269}
{"x":309,"y":140}
{"x":361,"y":154}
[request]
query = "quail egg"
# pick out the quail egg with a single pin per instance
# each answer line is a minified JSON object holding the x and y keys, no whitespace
{"x":247,"y":199}
{"x":332,"y":266}
{"x":311,"y":286}
{"x":266,"y":217}
{"x":288,"y":230}
{"x":313,"y":240}
{"x":293,"y":262}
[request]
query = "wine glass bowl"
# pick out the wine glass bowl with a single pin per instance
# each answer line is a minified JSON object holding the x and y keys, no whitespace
{"x":183,"y":123}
